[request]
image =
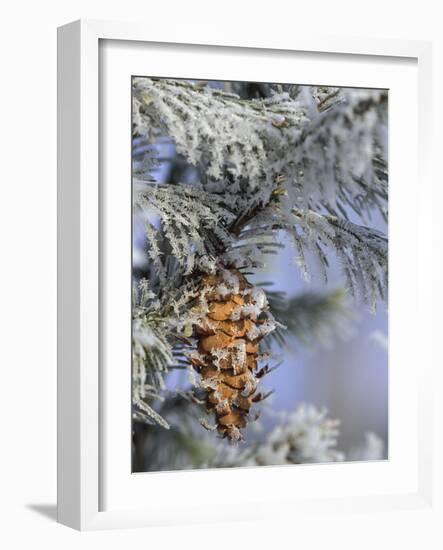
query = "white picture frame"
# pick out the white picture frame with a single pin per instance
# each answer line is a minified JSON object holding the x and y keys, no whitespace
{"x":95,"y":492}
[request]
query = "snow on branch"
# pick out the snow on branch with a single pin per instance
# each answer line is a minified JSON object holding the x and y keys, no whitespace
{"x":151,"y":358}
{"x":305,"y":435}
{"x":341,"y":158}
{"x":361,"y":251}
{"x":157,"y":326}
{"x":193,"y":222}
{"x":216,"y":128}
{"x":327,"y":146}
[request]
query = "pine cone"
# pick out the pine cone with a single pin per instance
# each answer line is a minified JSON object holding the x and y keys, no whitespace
{"x":228,"y":334}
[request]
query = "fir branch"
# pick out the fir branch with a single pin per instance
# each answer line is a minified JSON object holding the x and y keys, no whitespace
{"x":362,"y":251}
{"x":151,"y":358}
{"x":309,"y":317}
{"x":307,"y":435}
{"x":341,"y":158}
{"x":329,"y":145}
{"x":227,"y":136}
{"x":157,"y":341}
{"x":184,"y":446}
{"x":296,"y":160}
{"x":193,"y":222}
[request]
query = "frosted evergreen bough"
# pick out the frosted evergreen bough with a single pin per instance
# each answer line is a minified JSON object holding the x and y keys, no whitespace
{"x":363,"y":252}
{"x":305,"y":435}
{"x":280,"y":163}
{"x":194,"y":224}
{"x":156,"y":332}
{"x":309,"y":162}
{"x":328,"y":157}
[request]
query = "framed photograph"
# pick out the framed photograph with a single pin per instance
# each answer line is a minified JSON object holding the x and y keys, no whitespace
{"x":241,"y":242}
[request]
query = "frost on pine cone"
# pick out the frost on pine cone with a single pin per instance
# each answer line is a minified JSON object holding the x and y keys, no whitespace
{"x":233,"y":320}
